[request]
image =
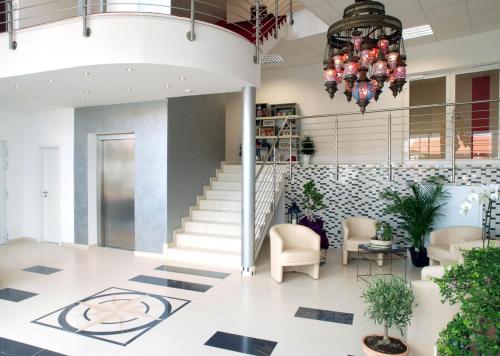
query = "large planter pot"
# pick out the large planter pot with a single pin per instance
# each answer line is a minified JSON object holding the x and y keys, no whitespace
{"x":306,"y":159}
{"x":419,"y":257}
{"x":370,"y":352}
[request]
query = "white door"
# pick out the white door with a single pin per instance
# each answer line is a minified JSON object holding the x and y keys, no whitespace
{"x":50,"y":214}
{"x":3,"y":193}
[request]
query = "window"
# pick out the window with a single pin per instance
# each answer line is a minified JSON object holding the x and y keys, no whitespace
{"x":428,"y":125}
{"x":476,"y":125}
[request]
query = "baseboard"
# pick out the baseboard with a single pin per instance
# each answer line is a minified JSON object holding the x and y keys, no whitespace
{"x":78,"y":246}
{"x":148,"y":254}
{"x":22,"y":239}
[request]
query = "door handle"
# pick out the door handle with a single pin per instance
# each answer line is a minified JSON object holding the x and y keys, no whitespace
{"x":45,"y":193}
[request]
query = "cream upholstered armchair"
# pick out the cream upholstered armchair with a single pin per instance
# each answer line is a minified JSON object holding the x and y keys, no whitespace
{"x":294,"y":248}
{"x":445,"y":242}
{"x":356,"y":231}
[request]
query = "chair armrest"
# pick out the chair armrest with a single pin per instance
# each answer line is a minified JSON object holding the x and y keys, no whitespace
{"x":345,"y":231}
{"x":276,"y":243}
{"x":457,"y":248}
{"x":439,"y":237}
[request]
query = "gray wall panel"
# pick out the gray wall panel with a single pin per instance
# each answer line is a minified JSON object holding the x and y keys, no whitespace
{"x":149,"y":123}
{"x":196,"y":146}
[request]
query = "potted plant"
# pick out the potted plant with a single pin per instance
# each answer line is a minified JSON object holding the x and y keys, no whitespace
{"x":418,"y":211}
{"x":384,"y":235}
{"x":390,"y":303}
{"x":474,"y":284}
{"x":312,"y":203}
{"x":308,"y":150}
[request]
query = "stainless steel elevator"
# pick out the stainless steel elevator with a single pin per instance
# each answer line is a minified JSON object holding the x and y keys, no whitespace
{"x":117,"y":156}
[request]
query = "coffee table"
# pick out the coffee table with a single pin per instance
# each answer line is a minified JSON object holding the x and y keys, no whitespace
{"x":371,"y":254}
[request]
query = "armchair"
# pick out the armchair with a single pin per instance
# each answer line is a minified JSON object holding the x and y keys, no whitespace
{"x":356,"y":231}
{"x":294,"y":248}
{"x":445,"y":242}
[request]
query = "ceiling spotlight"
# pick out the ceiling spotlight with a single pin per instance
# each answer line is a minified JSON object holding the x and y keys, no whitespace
{"x":87,"y":92}
{"x":29,"y":97}
{"x":84,"y":100}
{"x":86,"y":73}
{"x":129,"y":89}
{"x":188,"y":90}
{"x":51,"y":81}
{"x":17,"y":86}
{"x":130,"y":69}
{"x":167,"y":86}
{"x":182,"y":78}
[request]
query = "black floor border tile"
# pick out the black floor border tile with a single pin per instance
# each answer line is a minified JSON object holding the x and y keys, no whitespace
{"x":15,"y":295}
{"x":171,"y":283}
{"x":193,"y":271}
{"x":16,"y":348}
{"x":42,"y":269}
{"x":325,"y":315}
{"x":243,"y":344}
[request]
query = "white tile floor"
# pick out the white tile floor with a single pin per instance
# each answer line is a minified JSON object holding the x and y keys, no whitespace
{"x":255,"y":306}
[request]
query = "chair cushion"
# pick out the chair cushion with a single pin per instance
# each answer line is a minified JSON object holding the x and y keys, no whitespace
{"x":353,"y":241}
{"x":295,"y":256}
{"x":439,"y":252}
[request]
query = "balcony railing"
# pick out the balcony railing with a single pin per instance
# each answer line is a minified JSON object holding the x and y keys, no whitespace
{"x":237,"y":16}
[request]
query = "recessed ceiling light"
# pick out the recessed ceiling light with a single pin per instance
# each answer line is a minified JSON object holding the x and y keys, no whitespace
{"x":87,"y":92}
{"x":182,"y":78}
{"x":86,"y":73}
{"x":17,"y":86}
{"x":129,"y":89}
{"x":188,"y":90}
{"x":417,"y":31}
{"x":271,"y":58}
{"x":29,"y":97}
{"x":50,"y":81}
{"x":167,"y":86}
{"x":83,"y":100}
{"x":130,"y":69}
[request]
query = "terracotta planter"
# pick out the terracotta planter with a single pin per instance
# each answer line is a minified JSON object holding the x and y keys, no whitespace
{"x":369,"y":352}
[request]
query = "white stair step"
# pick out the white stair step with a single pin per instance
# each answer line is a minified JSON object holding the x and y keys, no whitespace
{"x":232,"y":177}
{"x":226,"y":185}
{"x":232,"y":168}
{"x":223,"y":194}
{"x":208,"y":241}
{"x":216,"y":216}
{"x":224,"y":205}
{"x":229,"y":259}
{"x":212,"y":227}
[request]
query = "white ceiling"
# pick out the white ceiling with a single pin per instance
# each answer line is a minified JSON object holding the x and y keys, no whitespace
{"x":448,"y":19}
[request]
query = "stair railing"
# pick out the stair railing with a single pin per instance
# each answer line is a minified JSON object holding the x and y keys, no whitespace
{"x":270,"y":181}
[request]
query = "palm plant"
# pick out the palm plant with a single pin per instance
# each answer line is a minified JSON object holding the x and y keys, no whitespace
{"x":418,"y":211}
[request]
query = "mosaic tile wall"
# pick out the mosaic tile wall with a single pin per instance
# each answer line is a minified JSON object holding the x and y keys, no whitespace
{"x":356,"y":191}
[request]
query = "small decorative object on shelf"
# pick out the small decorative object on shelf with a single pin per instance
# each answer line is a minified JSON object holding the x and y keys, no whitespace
{"x":487,"y":196}
{"x":308,"y":150}
{"x":293,"y":213}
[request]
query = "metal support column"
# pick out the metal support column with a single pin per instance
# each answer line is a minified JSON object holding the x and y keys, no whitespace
{"x":453,"y":148}
{"x":191,"y":35}
{"x":291,"y":13}
{"x":10,"y":24}
{"x":85,"y":13}
{"x":256,"y":58}
{"x":248,"y":183}
{"x":276,"y":17}
{"x":336,"y":148}
{"x":389,"y":148}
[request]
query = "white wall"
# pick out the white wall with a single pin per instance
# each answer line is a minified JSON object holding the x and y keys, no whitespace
{"x":304,"y":85}
{"x":25,"y":134}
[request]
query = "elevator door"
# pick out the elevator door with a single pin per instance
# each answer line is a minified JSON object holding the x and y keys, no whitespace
{"x":117,"y":193}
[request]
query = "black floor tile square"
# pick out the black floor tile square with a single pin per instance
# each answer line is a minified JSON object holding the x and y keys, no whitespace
{"x":42,"y":269}
{"x":15,"y":348}
{"x":325,"y":315}
{"x":172,"y":283}
{"x":243,"y":344}
{"x":15,"y":295}
{"x":195,"y":272}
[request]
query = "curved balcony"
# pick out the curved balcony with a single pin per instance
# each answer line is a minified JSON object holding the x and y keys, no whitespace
{"x":119,"y":47}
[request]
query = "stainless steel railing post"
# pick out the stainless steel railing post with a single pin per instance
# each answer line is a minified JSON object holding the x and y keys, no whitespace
{"x":191,"y":35}
{"x":453,"y":148}
{"x":276,"y":16}
{"x":86,"y":31}
{"x":10,"y":24}
{"x":256,"y":58}
{"x":274,"y":178}
{"x":291,"y":12}
{"x":336,"y":148}
{"x":290,"y":149}
{"x":389,"y":147}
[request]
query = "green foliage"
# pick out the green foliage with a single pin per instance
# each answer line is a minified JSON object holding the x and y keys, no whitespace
{"x":308,"y":147}
{"x":419,"y":211}
{"x":390,"y":302}
{"x":475,"y":285}
{"x":312,"y":200}
{"x":384,"y":231}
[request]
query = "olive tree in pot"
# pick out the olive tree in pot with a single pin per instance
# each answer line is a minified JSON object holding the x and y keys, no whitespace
{"x":308,"y":150}
{"x":418,"y":212}
{"x":474,"y":284}
{"x":390,"y":303}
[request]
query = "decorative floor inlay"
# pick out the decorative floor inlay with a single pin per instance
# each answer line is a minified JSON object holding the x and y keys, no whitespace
{"x":172,"y":283}
{"x":15,"y":295}
{"x":195,"y":272}
{"x":115,"y":315}
{"x":325,"y":315}
{"x":14,"y":348}
{"x":243,"y":344}
{"x":42,"y":269}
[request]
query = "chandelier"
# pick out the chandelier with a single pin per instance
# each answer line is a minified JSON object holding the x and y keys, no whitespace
{"x":364,"y":51}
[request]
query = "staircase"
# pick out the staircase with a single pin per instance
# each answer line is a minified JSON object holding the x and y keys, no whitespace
{"x":211,"y":235}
